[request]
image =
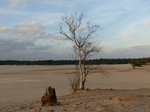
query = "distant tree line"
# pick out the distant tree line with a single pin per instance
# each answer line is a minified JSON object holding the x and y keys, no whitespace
{"x":39,"y":62}
{"x":74,"y":62}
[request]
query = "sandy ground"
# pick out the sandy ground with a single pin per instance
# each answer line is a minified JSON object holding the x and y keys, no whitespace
{"x":21,"y":88}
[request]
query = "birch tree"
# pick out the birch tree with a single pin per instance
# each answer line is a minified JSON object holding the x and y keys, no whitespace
{"x":81,"y":33}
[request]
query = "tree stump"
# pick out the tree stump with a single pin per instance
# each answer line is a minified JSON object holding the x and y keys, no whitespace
{"x":49,"y":98}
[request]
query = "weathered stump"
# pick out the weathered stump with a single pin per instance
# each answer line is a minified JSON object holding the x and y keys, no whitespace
{"x":49,"y":98}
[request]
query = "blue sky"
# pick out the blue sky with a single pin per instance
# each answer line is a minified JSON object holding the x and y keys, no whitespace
{"x":29,"y":28}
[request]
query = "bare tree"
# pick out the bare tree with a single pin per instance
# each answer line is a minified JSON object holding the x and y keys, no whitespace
{"x":80,"y":33}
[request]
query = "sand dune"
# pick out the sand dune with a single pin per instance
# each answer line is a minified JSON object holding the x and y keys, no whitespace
{"x":21,"y":85}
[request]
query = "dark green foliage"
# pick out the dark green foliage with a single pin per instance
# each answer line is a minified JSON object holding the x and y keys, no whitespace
{"x":40,"y":62}
{"x":73,"y":62}
{"x":135,"y":64}
{"x":138,"y":63}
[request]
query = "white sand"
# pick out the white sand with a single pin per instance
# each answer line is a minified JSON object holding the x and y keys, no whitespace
{"x":24,"y":84}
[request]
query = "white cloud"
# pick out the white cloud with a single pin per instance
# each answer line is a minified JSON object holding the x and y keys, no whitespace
{"x":5,"y":29}
{"x":30,"y":31}
{"x":29,"y":27}
{"x":59,"y":37}
{"x":20,"y":41}
{"x":83,"y":27}
{"x":128,"y":52}
{"x":148,"y":25}
{"x":18,"y":3}
{"x":136,"y":35}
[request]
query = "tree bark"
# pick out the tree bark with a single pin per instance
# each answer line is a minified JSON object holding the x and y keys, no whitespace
{"x":49,"y":98}
{"x":81,"y":84}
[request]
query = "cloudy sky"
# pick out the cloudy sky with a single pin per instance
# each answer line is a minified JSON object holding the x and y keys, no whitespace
{"x":29,"y":28}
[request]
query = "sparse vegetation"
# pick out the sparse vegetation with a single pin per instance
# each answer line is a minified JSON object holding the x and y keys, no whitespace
{"x":137,"y":63}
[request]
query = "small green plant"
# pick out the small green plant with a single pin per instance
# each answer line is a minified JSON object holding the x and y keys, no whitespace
{"x":136,"y":64}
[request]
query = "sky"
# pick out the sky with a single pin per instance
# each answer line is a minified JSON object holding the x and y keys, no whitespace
{"x":29,"y":29}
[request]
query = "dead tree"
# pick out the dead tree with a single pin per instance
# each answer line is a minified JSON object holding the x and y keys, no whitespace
{"x":81,"y":34}
{"x":49,"y":98}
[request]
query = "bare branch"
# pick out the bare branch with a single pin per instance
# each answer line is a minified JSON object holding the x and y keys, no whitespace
{"x":80,"y":37}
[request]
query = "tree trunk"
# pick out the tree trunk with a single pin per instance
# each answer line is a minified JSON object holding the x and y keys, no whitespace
{"x":49,"y":98}
{"x":81,"y":85}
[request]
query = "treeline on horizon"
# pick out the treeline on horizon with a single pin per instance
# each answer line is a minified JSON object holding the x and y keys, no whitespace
{"x":74,"y":62}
